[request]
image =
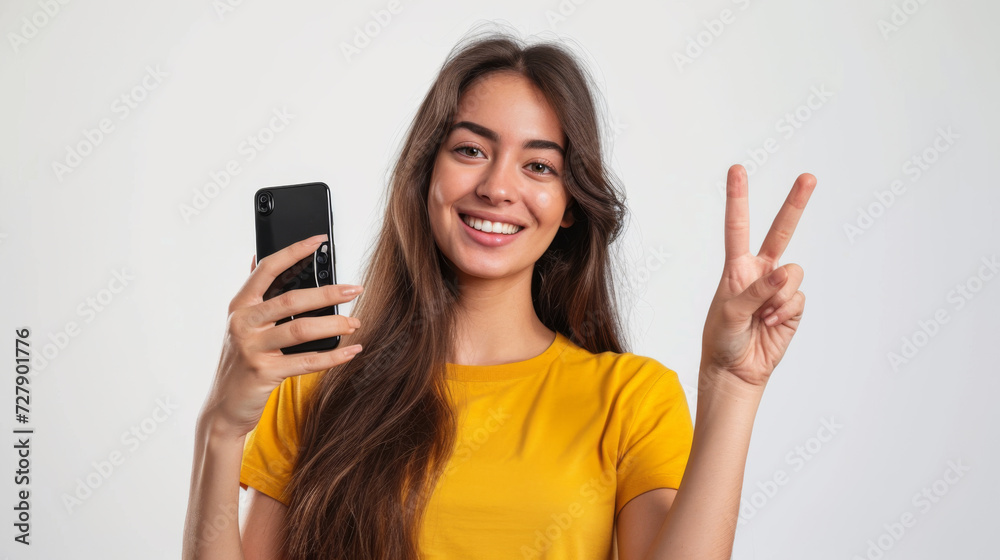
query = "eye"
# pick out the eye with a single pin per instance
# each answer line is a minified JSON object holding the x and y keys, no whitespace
{"x":539,"y":167}
{"x":464,"y":150}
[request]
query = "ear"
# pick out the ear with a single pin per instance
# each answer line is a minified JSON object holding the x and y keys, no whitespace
{"x":568,"y":217}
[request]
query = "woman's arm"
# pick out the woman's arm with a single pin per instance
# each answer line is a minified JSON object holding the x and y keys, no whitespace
{"x":756,"y":310}
{"x":250,"y":368}
{"x":260,"y":528}
{"x":211,"y":526}
{"x":701,"y":523}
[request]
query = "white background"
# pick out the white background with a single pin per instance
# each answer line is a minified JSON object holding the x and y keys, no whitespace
{"x":676,"y":128}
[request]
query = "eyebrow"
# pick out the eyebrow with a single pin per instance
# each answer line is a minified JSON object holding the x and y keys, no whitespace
{"x":493,"y":136}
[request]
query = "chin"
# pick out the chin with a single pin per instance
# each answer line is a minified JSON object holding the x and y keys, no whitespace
{"x":484,"y":267}
{"x":484,"y":271}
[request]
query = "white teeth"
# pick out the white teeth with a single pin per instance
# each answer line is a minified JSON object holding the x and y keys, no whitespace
{"x":490,"y":227}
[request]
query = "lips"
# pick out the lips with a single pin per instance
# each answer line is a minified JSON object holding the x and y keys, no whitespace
{"x":489,"y":239}
{"x":493,"y":217}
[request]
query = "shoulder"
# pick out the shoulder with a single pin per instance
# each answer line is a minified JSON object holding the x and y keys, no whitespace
{"x":622,"y":369}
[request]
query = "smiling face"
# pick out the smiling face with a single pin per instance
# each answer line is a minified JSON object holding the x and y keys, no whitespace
{"x":496,"y":197}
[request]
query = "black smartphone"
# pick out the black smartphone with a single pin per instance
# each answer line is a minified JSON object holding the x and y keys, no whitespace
{"x":285,"y":215}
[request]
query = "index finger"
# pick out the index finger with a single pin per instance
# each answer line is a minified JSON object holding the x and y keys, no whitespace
{"x":737,"y":213}
{"x":788,"y":217}
{"x":271,"y":266}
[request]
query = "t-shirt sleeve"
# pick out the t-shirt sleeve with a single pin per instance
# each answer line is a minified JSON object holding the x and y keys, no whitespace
{"x":270,"y":449}
{"x":657,"y":443}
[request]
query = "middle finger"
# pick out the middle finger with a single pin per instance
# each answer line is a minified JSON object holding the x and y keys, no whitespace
{"x":298,"y":301}
{"x":788,"y":217}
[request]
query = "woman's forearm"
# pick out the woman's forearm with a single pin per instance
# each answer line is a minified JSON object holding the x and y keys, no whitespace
{"x":701,"y":523}
{"x":211,"y":527}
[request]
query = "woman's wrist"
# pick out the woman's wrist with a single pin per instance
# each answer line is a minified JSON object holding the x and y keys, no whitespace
{"x":727,"y":387}
{"x":728,"y":404}
{"x":214,"y":430}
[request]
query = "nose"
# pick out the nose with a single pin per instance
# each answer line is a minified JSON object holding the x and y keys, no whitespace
{"x":499,"y":183}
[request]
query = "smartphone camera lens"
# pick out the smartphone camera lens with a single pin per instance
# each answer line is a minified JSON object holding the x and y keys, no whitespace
{"x":265,"y":203}
{"x":321,"y":258}
{"x":323,"y":274}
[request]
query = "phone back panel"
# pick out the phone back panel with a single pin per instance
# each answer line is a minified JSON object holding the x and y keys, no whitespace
{"x":297,"y":212}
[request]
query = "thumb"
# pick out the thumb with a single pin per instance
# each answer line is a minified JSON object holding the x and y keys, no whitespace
{"x":759,"y":292}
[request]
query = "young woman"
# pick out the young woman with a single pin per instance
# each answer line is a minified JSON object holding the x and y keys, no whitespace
{"x":482,"y":403}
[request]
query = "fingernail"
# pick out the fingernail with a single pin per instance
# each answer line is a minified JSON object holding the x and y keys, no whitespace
{"x":777,"y":277}
{"x":767,"y":312}
{"x":354,"y":322}
{"x":350,"y":291}
{"x":317,"y":239}
{"x":352,"y":350}
{"x":770,"y":321}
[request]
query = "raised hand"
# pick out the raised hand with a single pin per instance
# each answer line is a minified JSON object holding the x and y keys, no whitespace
{"x":252,"y":364}
{"x":758,"y":305}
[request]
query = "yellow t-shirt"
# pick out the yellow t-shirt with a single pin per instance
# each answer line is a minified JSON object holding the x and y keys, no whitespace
{"x":548,"y":452}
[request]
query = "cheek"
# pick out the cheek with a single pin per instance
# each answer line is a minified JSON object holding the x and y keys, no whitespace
{"x":444,"y":185}
{"x":437,"y":192}
{"x":435,"y":195}
{"x":439,"y":200}
{"x":548,"y":205}
{"x":543,"y":200}
{"x":435,"y":208}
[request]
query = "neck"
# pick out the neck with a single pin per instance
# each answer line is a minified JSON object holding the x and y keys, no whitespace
{"x":496,"y":322}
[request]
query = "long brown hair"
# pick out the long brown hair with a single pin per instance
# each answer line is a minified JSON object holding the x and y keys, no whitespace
{"x":380,"y":429}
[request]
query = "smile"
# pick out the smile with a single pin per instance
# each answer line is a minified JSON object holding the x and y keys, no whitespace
{"x":499,"y":234}
{"x":490,"y":227}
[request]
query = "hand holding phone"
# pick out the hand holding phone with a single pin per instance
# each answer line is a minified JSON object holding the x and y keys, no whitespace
{"x":252,"y":363}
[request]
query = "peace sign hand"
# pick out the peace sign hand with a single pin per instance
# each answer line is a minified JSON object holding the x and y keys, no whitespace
{"x":757,"y":307}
